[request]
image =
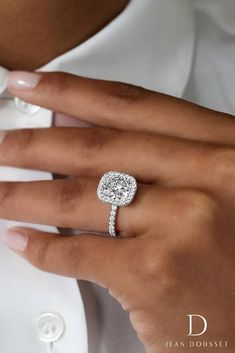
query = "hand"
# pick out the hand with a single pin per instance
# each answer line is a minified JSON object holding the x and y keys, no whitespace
{"x":175,"y":253}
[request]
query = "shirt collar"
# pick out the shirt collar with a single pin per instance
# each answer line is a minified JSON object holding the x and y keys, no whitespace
{"x":149,"y":44}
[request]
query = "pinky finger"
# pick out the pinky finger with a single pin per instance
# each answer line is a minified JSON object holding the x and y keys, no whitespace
{"x":89,"y":257}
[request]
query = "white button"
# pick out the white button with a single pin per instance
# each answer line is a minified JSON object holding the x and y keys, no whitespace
{"x":49,"y":327}
{"x":25,"y":107}
{"x":3,"y":81}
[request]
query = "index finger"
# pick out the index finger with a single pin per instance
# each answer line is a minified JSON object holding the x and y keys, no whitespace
{"x":122,"y":106}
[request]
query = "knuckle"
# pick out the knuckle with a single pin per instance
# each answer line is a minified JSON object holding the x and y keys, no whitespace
{"x":95,"y":139}
{"x":177,"y":259}
{"x":7,"y":190}
{"x":150,"y":260}
{"x":19,"y":141}
{"x":67,"y":248}
{"x":39,"y":254}
{"x":152,"y":267}
{"x":121,"y":95}
{"x":61,"y":83}
{"x":76,"y":251}
{"x":157,"y":267}
{"x":222,"y":163}
{"x":72,"y":251}
{"x":193,"y":207}
{"x":68,"y":193}
{"x":91,"y":145}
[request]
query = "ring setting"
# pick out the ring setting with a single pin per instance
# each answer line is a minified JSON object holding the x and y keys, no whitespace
{"x":117,"y":189}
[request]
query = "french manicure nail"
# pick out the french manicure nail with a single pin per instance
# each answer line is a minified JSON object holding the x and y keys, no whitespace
{"x":15,"y":240}
{"x":23,"y":80}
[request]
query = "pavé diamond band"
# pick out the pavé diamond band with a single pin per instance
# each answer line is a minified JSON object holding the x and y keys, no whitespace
{"x":117,"y":189}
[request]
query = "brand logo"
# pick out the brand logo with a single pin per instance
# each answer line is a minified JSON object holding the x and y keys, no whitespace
{"x":197,"y":326}
{"x":200,"y":321}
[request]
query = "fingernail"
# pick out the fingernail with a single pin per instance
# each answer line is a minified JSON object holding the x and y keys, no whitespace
{"x":2,"y":136}
{"x":15,"y":240}
{"x":23,"y":80}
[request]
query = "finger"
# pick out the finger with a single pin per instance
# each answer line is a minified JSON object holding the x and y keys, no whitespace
{"x":87,"y":257}
{"x":122,"y":106}
{"x":150,"y":158}
{"x":70,"y":203}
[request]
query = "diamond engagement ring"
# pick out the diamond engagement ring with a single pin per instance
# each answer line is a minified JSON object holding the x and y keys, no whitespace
{"x":118,"y":189}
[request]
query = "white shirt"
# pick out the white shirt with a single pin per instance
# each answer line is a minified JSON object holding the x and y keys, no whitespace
{"x":212,"y":79}
{"x":151,"y":44}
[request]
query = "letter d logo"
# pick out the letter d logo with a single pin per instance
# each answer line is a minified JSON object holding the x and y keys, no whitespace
{"x":205,"y":325}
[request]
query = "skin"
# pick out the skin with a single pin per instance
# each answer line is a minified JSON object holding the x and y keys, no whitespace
{"x":175,"y":254}
{"x":39,"y":31}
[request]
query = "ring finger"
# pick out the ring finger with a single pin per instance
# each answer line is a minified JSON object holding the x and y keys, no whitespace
{"x":71,"y":203}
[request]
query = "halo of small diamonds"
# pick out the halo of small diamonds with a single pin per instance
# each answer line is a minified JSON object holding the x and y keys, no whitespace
{"x":117,"y":188}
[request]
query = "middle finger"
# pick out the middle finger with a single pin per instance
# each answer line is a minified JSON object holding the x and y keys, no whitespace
{"x":90,"y":152}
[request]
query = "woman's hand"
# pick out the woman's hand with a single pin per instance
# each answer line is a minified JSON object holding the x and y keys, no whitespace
{"x":175,"y":253}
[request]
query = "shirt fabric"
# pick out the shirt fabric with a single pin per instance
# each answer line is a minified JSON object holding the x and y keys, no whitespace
{"x":182,"y":48}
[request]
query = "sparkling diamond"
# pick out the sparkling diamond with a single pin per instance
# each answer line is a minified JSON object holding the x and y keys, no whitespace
{"x":117,"y":188}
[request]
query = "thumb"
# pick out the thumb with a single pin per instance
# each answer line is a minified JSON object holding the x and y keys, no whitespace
{"x":94,"y":258}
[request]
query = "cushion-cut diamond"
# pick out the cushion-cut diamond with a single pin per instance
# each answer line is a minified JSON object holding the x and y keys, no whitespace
{"x":117,"y":188}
